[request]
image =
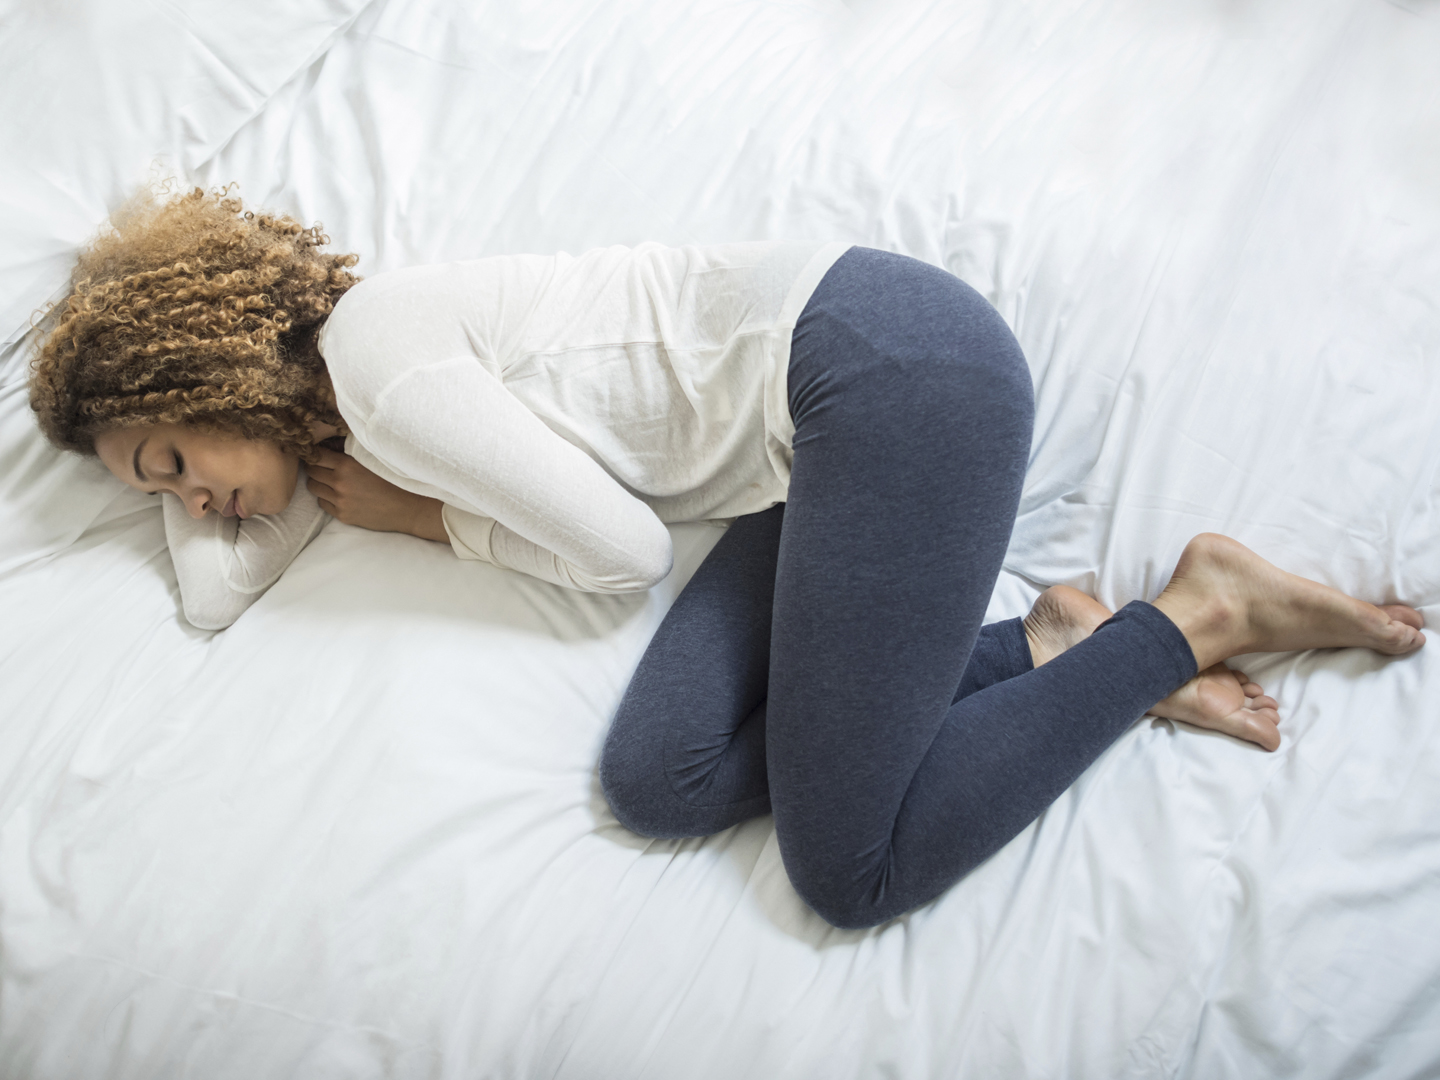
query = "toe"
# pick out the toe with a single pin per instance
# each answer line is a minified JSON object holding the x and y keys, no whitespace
{"x":1262,"y":727}
{"x":1401,"y":638}
{"x":1407,"y":615}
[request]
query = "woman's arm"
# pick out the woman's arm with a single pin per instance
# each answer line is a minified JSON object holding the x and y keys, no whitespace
{"x":224,"y":564}
{"x":356,"y":496}
{"x":484,"y":539}
{"x":544,"y":506}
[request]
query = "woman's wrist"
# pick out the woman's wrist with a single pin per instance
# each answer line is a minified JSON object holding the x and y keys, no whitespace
{"x":427,"y":522}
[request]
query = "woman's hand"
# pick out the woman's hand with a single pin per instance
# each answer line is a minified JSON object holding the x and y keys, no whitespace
{"x":347,"y":490}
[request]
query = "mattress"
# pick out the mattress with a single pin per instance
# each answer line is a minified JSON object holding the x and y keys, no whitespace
{"x":359,"y":833}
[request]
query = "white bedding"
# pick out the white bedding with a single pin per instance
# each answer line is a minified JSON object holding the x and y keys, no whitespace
{"x":359,"y":834}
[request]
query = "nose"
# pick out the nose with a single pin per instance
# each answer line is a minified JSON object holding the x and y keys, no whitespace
{"x":198,"y":502}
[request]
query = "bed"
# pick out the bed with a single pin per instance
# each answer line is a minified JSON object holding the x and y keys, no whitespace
{"x":359,"y":834}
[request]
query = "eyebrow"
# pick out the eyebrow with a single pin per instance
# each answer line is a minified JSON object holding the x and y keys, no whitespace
{"x":136,"y":461}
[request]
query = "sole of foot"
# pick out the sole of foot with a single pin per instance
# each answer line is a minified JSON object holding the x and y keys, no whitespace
{"x":1221,"y":699}
{"x":1061,"y":618}
{"x":1227,"y":600}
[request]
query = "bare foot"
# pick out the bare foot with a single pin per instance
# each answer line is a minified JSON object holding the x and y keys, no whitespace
{"x":1227,"y":600}
{"x":1217,"y":699}
{"x":1061,"y":617}
{"x":1226,"y":701}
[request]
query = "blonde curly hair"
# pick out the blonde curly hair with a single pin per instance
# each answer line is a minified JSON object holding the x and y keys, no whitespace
{"x":189,"y":309}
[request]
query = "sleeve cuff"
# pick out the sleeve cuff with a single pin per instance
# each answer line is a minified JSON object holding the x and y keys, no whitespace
{"x":469,"y":533}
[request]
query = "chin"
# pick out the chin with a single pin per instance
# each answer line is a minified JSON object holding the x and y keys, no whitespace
{"x":265,"y":506}
{"x":278,"y":497}
{"x":271,"y":507}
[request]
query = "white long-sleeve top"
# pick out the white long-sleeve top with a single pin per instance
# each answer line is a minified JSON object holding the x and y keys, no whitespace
{"x":564,"y":408}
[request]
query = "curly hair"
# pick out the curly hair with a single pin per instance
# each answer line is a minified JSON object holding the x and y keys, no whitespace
{"x":189,"y":309}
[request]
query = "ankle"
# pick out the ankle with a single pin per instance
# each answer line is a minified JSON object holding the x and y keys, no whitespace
{"x":1213,"y":625}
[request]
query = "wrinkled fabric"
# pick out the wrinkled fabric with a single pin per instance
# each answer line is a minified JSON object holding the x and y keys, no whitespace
{"x":360,"y":832}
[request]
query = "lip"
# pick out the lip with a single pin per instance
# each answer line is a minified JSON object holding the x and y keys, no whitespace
{"x":232,"y":505}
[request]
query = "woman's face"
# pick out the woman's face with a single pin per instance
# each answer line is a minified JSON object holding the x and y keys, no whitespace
{"x":208,"y":470}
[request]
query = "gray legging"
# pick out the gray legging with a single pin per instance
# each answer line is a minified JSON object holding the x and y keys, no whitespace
{"x":827,"y":662}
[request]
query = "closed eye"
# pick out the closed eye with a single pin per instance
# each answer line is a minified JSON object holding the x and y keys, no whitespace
{"x":179,"y":464}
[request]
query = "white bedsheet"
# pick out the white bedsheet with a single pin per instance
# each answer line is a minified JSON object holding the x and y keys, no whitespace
{"x":359,"y":834}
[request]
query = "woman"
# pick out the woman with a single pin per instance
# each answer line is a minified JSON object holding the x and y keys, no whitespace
{"x":864,"y":418}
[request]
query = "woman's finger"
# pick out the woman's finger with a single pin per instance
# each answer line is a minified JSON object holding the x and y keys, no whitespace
{"x":319,"y":487}
{"x":327,"y":458}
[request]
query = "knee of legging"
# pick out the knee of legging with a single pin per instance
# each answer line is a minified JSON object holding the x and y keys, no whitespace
{"x":848,"y":894}
{"x":629,"y":782}
{"x":645,"y":796}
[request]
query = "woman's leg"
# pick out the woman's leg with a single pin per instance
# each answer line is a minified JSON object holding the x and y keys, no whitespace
{"x":913,"y":408}
{"x":909,"y":461}
{"x":888,"y":782}
{"x":685,"y":755}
